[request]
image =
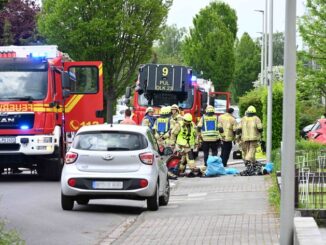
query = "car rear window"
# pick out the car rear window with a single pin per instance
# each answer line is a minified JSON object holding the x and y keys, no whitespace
{"x":110,"y":141}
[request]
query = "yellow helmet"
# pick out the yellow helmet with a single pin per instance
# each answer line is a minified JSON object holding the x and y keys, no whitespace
{"x":175,"y":107}
{"x":149,"y":109}
{"x":251,"y":109}
{"x":168,"y":108}
{"x":164,"y":110}
{"x":209,"y":109}
{"x":187,"y":117}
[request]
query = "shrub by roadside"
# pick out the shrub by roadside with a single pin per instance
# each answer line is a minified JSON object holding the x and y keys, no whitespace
{"x":9,"y":237}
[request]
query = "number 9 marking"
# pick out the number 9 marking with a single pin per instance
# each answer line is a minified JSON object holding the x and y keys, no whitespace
{"x":165,"y":71}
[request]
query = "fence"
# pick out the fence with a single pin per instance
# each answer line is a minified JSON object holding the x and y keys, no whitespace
{"x":310,"y":180}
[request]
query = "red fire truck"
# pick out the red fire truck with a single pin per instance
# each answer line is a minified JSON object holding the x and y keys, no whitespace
{"x":164,"y":85}
{"x":45,"y":97}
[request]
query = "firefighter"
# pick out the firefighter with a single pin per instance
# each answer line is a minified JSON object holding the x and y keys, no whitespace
{"x":227,"y":128}
{"x":208,"y":132}
{"x":250,"y":129}
{"x":176,"y":113}
{"x":149,"y":118}
{"x":185,"y":136}
{"x":162,"y":129}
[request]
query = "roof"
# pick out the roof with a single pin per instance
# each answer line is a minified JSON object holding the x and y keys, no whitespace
{"x":115,"y":127}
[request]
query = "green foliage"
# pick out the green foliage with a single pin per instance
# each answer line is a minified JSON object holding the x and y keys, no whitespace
{"x":9,"y":237}
{"x":309,"y":113}
{"x":118,"y":32}
{"x":277,"y":114}
{"x":247,"y":66}
{"x":210,"y":46}
{"x":312,"y":70}
{"x":278,"y":49}
{"x":253,"y":98}
{"x":305,"y":145}
{"x":7,"y":36}
{"x":168,"y":50}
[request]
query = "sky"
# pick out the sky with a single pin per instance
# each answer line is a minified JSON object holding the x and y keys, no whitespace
{"x":183,"y":11}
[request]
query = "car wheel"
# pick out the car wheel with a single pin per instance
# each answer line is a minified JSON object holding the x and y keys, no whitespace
{"x":67,"y":203}
{"x":164,"y":200}
{"x":82,"y":201}
{"x":153,"y":201}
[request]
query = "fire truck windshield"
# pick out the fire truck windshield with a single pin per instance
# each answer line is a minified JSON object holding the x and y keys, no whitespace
{"x":23,"y":85}
{"x":184,"y":100}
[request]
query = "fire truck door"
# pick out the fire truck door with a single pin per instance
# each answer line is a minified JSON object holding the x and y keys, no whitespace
{"x":84,"y":105}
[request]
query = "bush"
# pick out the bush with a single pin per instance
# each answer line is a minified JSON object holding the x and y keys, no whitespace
{"x":252,"y":97}
{"x":309,"y":113}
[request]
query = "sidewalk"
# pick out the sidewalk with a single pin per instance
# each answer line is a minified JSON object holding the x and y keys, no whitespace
{"x":219,"y":210}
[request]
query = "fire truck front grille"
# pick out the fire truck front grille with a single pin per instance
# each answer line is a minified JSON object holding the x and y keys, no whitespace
{"x":9,"y":120}
{"x":9,"y":147}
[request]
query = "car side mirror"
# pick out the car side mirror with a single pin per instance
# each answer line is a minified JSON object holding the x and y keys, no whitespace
{"x":167,"y":151}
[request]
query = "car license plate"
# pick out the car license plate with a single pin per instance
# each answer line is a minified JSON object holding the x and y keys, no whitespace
{"x":7,"y":140}
{"x":107,"y":184}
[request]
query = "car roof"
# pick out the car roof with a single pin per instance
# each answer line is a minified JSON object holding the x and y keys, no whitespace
{"x":114,"y":127}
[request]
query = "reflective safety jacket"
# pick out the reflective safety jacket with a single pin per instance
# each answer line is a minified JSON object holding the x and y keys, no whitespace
{"x":149,"y":121}
{"x":187,"y":135}
{"x":209,"y":128}
{"x":162,"y":125}
{"x":228,"y":123}
{"x":250,"y":127}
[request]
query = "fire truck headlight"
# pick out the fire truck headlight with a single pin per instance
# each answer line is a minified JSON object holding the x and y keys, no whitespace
{"x":44,"y":140}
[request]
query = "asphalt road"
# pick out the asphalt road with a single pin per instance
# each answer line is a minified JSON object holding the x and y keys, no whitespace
{"x":32,"y":207}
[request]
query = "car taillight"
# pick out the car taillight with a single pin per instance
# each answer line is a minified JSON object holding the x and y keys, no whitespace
{"x":143,"y":183}
{"x":72,"y":182}
{"x":147,"y":158}
{"x":71,"y":157}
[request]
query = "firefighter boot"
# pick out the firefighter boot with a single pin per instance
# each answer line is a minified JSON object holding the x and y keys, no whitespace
{"x":172,"y":175}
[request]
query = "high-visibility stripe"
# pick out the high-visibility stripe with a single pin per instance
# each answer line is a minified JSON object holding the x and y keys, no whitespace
{"x":100,"y":68}
{"x":73,"y":103}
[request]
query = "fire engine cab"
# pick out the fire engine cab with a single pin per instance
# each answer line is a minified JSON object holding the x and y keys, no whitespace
{"x":45,"y":97}
{"x":164,"y":85}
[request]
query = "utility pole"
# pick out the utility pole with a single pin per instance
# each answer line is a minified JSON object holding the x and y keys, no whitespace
{"x":262,"y":69}
{"x":265,"y":43}
{"x":270,"y":86}
{"x":288,"y":133}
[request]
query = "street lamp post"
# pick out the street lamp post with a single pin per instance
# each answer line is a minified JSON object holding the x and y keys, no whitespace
{"x":262,"y":77}
{"x":270,"y":85}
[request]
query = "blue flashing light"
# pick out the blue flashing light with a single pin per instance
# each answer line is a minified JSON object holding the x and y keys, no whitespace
{"x":38,"y":55}
{"x":24,"y":127}
{"x":193,"y":78}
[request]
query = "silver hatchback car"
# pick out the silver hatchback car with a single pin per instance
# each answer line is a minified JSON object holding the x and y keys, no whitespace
{"x":115,"y":161}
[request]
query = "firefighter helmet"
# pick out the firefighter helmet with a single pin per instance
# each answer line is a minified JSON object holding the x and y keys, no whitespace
{"x":210,"y":109}
{"x":164,"y":111}
{"x":149,"y":109}
{"x":187,"y":117}
{"x":175,"y":107}
{"x":251,"y":109}
{"x":168,"y":108}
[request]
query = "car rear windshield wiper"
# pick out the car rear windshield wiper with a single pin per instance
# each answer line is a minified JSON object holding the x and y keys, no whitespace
{"x":117,"y":149}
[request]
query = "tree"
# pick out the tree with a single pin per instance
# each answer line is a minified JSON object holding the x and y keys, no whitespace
{"x":3,"y":3}
{"x":312,"y":71}
{"x":210,"y":46}
{"x":169,"y":46}
{"x":278,"y":49}
{"x":18,"y":22}
{"x":247,"y":66}
{"x":118,"y":32}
